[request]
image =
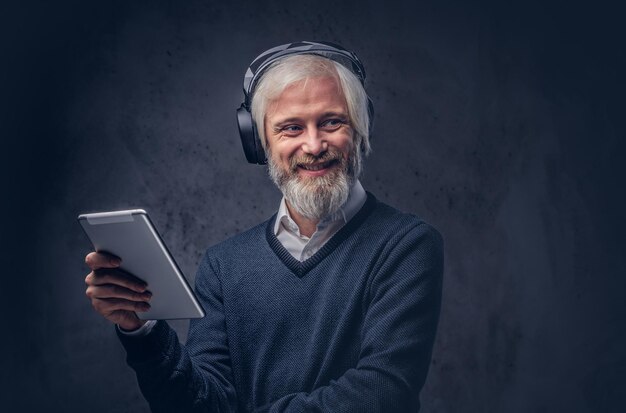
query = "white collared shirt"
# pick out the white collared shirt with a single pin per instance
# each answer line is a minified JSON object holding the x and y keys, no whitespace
{"x":302,"y":247}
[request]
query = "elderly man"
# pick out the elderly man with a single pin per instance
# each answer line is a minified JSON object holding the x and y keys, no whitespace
{"x":332,"y":304}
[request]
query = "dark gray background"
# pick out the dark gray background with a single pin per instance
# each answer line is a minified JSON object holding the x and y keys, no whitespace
{"x":499,"y":124}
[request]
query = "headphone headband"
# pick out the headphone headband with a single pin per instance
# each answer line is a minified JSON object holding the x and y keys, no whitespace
{"x":325,"y":49}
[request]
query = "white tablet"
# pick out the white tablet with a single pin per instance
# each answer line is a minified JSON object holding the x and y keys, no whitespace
{"x":131,"y":236}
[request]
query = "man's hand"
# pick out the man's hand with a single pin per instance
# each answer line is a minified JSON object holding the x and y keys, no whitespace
{"x":115,"y":294}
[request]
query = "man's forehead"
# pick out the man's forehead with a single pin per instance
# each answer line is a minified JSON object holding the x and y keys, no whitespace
{"x":280,"y":118}
{"x":315,"y":93}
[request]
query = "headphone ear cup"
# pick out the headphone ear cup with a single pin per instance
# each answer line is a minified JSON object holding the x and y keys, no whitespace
{"x":249,"y":138}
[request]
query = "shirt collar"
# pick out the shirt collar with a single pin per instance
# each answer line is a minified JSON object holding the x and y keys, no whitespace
{"x":356,"y":199}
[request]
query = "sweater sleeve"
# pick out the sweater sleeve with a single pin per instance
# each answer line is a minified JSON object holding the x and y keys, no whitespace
{"x":400,"y":322}
{"x":192,"y":378}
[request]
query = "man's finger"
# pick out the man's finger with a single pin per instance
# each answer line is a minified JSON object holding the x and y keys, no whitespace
{"x":107,"y":306}
{"x":116,"y":277}
{"x":96,"y":260}
{"x":115,"y":291}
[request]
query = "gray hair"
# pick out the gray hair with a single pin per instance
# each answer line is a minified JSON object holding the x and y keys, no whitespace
{"x":291,"y":69}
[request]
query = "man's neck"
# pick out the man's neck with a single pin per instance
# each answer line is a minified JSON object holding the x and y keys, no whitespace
{"x":307,"y":227}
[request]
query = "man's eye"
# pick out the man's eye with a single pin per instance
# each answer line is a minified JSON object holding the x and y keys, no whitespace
{"x":332,"y":123}
{"x":291,"y":130}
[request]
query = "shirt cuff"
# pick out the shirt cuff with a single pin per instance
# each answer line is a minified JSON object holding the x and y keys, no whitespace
{"x":141,"y":331}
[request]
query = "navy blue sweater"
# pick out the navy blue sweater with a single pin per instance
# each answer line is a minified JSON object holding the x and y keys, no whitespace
{"x":351,"y":329}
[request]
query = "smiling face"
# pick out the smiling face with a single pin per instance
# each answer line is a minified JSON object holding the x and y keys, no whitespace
{"x":312,"y":157}
{"x":307,"y":119}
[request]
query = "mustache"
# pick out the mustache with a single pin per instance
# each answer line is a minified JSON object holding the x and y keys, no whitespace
{"x":331,"y":155}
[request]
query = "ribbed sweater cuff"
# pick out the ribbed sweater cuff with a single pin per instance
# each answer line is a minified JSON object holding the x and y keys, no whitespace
{"x":147,"y":347}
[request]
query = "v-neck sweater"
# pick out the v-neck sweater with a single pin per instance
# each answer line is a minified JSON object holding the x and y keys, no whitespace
{"x":350,"y":329}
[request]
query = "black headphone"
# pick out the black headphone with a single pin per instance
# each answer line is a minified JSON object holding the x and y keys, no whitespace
{"x":247,"y":128}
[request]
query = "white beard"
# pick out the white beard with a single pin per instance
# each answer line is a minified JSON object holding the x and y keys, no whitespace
{"x":317,"y":197}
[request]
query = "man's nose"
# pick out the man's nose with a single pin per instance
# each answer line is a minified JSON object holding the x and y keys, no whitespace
{"x":314,"y":143}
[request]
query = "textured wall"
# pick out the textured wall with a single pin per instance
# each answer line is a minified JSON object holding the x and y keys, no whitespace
{"x":499,"y":125}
